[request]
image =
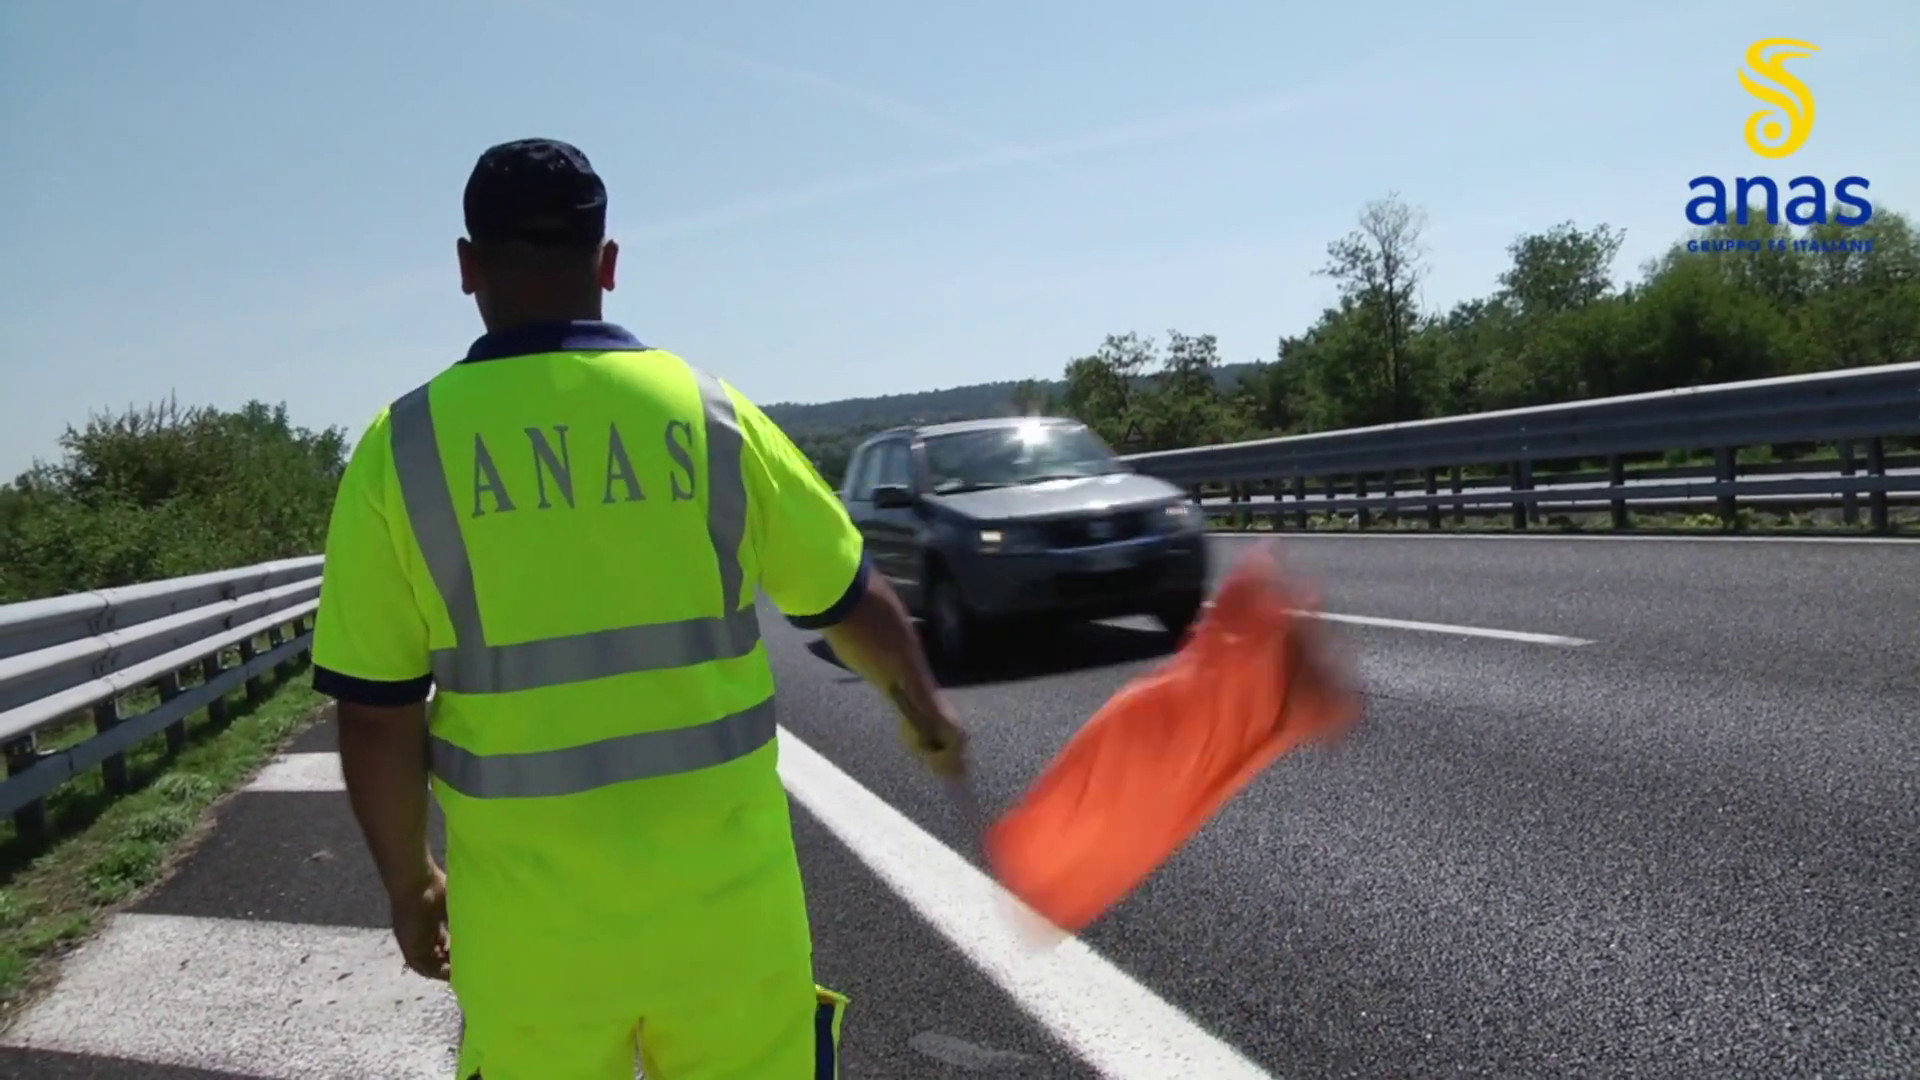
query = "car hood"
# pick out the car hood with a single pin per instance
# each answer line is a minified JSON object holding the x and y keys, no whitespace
{"x":1060,"y":498}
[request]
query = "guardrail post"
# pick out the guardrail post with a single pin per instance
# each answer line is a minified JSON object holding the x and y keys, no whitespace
{"x":1849,"y":502}
{"x":169,"y":688}
{"x":1365,"y":517}
{"x":1726,"y":471}
{"x":113,"y":770}
{"x":29,"y":820}
{"x":1433,"y":504}
{"x":1236,"y":491}
{"x":1617,"y":480}
{"x":279,"y":636}
{"x":1333,"y":492}
{"x":1877,"y":499}
{"x":210,"y":669}
{"x":1522,"y":481}
{"x":1391,"y":513}
{"x":1459,"y":507}
{"x":1300,"y":502}
{"x":256,"y":689}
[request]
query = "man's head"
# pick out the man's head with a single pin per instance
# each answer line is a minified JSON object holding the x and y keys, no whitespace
{"x":536,"y":246}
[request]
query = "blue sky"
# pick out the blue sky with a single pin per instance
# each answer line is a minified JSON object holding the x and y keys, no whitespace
{"x":226,"y":200}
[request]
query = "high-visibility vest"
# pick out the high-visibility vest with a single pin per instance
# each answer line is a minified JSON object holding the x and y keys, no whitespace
{"x":580,"y":552}
{"x":566,"y":533}
{"x":484,"y":676}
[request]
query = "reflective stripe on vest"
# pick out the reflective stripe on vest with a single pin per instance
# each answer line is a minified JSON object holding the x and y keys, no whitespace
{"x":642,"y":755}
{"x":472,"y":666}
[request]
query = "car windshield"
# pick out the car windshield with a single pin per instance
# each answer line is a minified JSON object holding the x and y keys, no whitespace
{"x":1024,"y":453}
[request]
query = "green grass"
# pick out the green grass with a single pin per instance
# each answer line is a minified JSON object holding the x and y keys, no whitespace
{"x":99,"y":851}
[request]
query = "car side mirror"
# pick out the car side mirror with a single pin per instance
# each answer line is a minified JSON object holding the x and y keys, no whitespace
{"x":892,"y":497}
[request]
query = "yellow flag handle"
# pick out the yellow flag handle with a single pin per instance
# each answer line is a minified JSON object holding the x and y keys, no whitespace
{"x":946,"y":758}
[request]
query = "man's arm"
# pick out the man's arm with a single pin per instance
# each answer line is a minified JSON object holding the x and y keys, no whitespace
{"x":383,"y":757}
{"x":370,"y":654}
{"x":813,"y":565}
{"x":877,"y":641}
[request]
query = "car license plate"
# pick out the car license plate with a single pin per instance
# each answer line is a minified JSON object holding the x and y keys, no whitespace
{"x":1114,"y":559}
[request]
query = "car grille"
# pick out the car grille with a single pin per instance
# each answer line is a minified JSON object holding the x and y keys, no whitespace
{"x":1077,"y":586}
{"x":1080,"y":532}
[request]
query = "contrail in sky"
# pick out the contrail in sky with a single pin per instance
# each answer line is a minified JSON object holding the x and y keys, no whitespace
{"x":1137,"y":133}
{"x":904,"y":113}
{"x":984,"y":153}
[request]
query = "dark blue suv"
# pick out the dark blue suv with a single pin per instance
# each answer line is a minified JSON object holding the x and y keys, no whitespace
{"x":1022,"y":518}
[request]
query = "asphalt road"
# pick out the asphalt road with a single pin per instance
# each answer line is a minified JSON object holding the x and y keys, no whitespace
{"x":1687,"y":847}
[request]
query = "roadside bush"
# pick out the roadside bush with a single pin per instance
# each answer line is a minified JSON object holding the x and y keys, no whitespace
{"x":163,"y":491}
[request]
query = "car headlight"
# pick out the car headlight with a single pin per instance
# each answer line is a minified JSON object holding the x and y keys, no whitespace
{"x":1004,"y":538}
{"x":1181,"y":516}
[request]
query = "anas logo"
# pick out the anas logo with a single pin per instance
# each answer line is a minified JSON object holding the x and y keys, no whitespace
{"x":1778,"y":131}
{"x":1782,"y":130}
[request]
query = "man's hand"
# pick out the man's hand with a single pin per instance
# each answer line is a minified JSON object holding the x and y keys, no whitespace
{"x":934,"y":735}
{"x":420,"y":926}
{"x":877,"y":641}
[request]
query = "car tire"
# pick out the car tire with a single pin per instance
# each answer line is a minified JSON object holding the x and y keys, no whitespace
{"x":952,"y":624}
{"x":1178,"y":616}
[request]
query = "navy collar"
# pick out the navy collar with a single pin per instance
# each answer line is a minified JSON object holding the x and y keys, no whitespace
{"x":580,"y":335}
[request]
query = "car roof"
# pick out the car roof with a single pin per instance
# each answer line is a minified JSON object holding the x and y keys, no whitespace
{"x":991,"y":423}
{"x":960,"y":427}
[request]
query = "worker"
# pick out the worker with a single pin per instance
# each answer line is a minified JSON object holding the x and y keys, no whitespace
{"x":563,"y":536}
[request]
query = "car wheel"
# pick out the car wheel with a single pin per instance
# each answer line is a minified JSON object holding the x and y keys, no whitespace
{"x":1178,"y":616}
{"x":951,"y":622}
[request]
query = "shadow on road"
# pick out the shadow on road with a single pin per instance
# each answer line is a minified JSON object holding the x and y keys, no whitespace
{"x":59,"y":1065}
{"x":1014,"y":655}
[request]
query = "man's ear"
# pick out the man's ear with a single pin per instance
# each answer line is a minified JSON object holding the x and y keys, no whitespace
{"x":609,"y":258}
{"x":469,"y":266}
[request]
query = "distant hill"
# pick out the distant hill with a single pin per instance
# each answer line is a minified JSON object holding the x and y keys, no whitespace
{"x":925,"y":406}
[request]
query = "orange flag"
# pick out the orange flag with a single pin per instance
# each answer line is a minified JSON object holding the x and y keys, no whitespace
{"x":1161,"y":757}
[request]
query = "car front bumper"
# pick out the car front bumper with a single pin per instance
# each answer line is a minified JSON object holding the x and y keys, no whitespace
{"x":1128,"y":577}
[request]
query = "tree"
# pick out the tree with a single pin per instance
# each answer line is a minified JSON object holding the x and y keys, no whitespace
{"x":1379,"y":268}
{"x":1273,"y":394}
{"x":1562,"y":269}
{"x":1185,"y":406}
{"x":1101,"y":388}
{"x":1031,"y":398}
{"x":1863,"y":307}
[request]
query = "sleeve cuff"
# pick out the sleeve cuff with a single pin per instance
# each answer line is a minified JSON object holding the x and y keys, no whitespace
{"x":856,"y":591}
{"x":357,"y":691}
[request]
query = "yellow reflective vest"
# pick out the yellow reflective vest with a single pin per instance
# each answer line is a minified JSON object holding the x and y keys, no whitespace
{"x":564,"y":534}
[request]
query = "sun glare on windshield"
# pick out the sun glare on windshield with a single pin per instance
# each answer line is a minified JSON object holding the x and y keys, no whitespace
{"x":1030,"y":433}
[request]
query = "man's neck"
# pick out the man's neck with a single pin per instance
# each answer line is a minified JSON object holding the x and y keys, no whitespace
{"x":513,"y":318}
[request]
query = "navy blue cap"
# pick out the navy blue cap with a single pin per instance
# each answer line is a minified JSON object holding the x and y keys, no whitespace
{"x":536,"y":191}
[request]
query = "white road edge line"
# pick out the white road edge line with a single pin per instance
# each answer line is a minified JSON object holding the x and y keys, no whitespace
{"x":1545,"y":537}
{"x":1527,"y":636}
{"x":1448,"y":628}
{"x":1110,"y":1021}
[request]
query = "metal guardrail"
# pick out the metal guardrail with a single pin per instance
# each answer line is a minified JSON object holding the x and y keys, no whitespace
{"x":1854,"y":410}
{"x":66,"y":660}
